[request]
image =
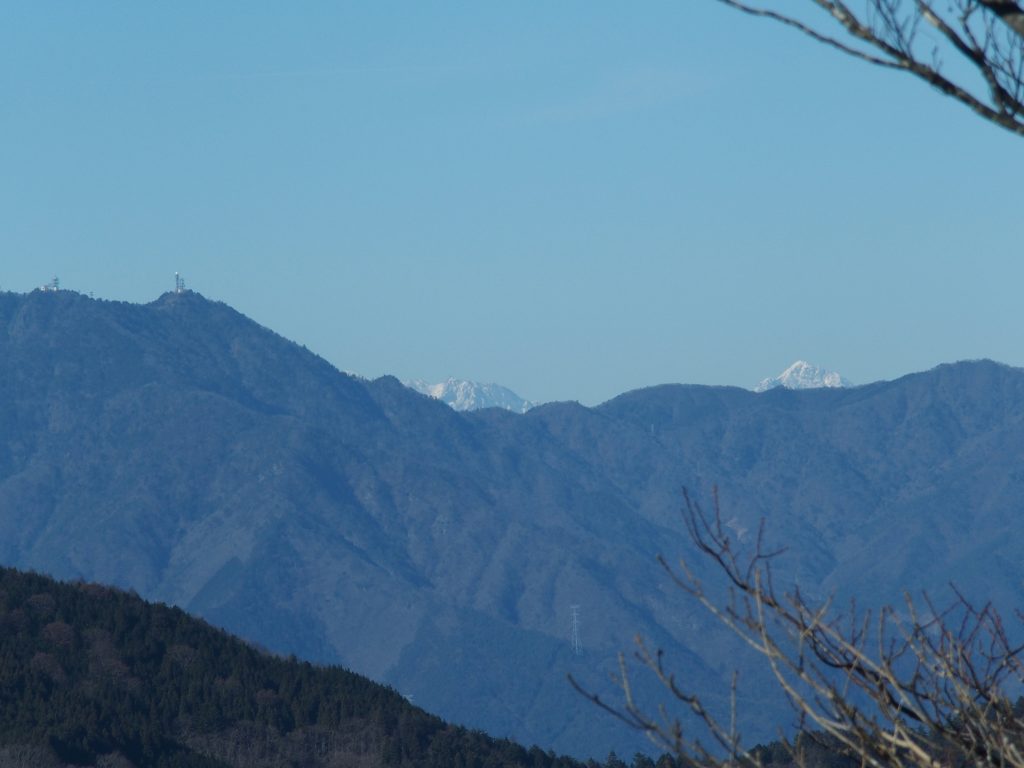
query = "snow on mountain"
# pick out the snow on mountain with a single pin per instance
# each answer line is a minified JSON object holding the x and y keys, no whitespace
{"x":463,"y":395}
{"x":803,"y":375}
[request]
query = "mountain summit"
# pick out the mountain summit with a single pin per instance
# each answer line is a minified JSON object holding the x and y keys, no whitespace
{"x":463,"y":395}
{"x":803,"y":375}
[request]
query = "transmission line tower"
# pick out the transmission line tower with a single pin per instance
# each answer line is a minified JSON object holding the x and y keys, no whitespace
{"x":577,"y":645}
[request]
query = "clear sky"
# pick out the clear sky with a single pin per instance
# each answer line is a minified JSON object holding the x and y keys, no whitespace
{"x":572,"y":199}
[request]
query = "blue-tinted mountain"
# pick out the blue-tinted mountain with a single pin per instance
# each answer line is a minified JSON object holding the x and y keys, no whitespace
{"x":182,"y":450}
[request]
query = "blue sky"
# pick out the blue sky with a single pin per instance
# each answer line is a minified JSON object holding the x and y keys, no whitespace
{"x":573,"y":199}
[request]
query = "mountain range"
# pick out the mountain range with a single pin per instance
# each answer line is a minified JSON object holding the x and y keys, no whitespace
{"x":466,"y":395}
{"x":180,"y":449}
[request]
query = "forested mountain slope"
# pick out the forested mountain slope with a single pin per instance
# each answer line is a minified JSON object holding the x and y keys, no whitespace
{"x":92,"y":675}
{"x":182,"y":450}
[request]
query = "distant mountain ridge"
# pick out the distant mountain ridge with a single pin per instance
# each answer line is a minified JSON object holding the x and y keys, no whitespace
{"x":180,"y":449}
{"x":803,"y":375}
{"x":465,"y":395}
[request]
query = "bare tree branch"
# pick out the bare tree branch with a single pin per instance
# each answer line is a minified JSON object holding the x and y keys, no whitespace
{"x":988,"y":35}
{"x":925,"y":686}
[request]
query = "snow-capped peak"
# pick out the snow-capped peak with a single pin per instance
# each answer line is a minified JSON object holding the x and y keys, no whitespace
{"x":803,"y":375}
{"x":463,"y":395}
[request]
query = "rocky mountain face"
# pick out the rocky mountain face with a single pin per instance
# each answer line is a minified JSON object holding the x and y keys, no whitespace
{"x":464,"y":395}
{"x":803,"y":375}
{"x":184,"y":451}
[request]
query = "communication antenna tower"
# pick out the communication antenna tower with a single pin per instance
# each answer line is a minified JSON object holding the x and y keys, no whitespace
{"x":179,"y":283}
{"x":577,"y":646}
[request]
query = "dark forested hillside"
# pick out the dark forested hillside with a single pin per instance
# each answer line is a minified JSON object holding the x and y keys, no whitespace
{"x":93,"y":675}
{"x":180,"y":449}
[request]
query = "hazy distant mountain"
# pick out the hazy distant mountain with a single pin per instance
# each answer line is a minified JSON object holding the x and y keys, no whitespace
{"x":803,"y":375}
{"x":463,"y":395}
{"x":182,"y":450}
